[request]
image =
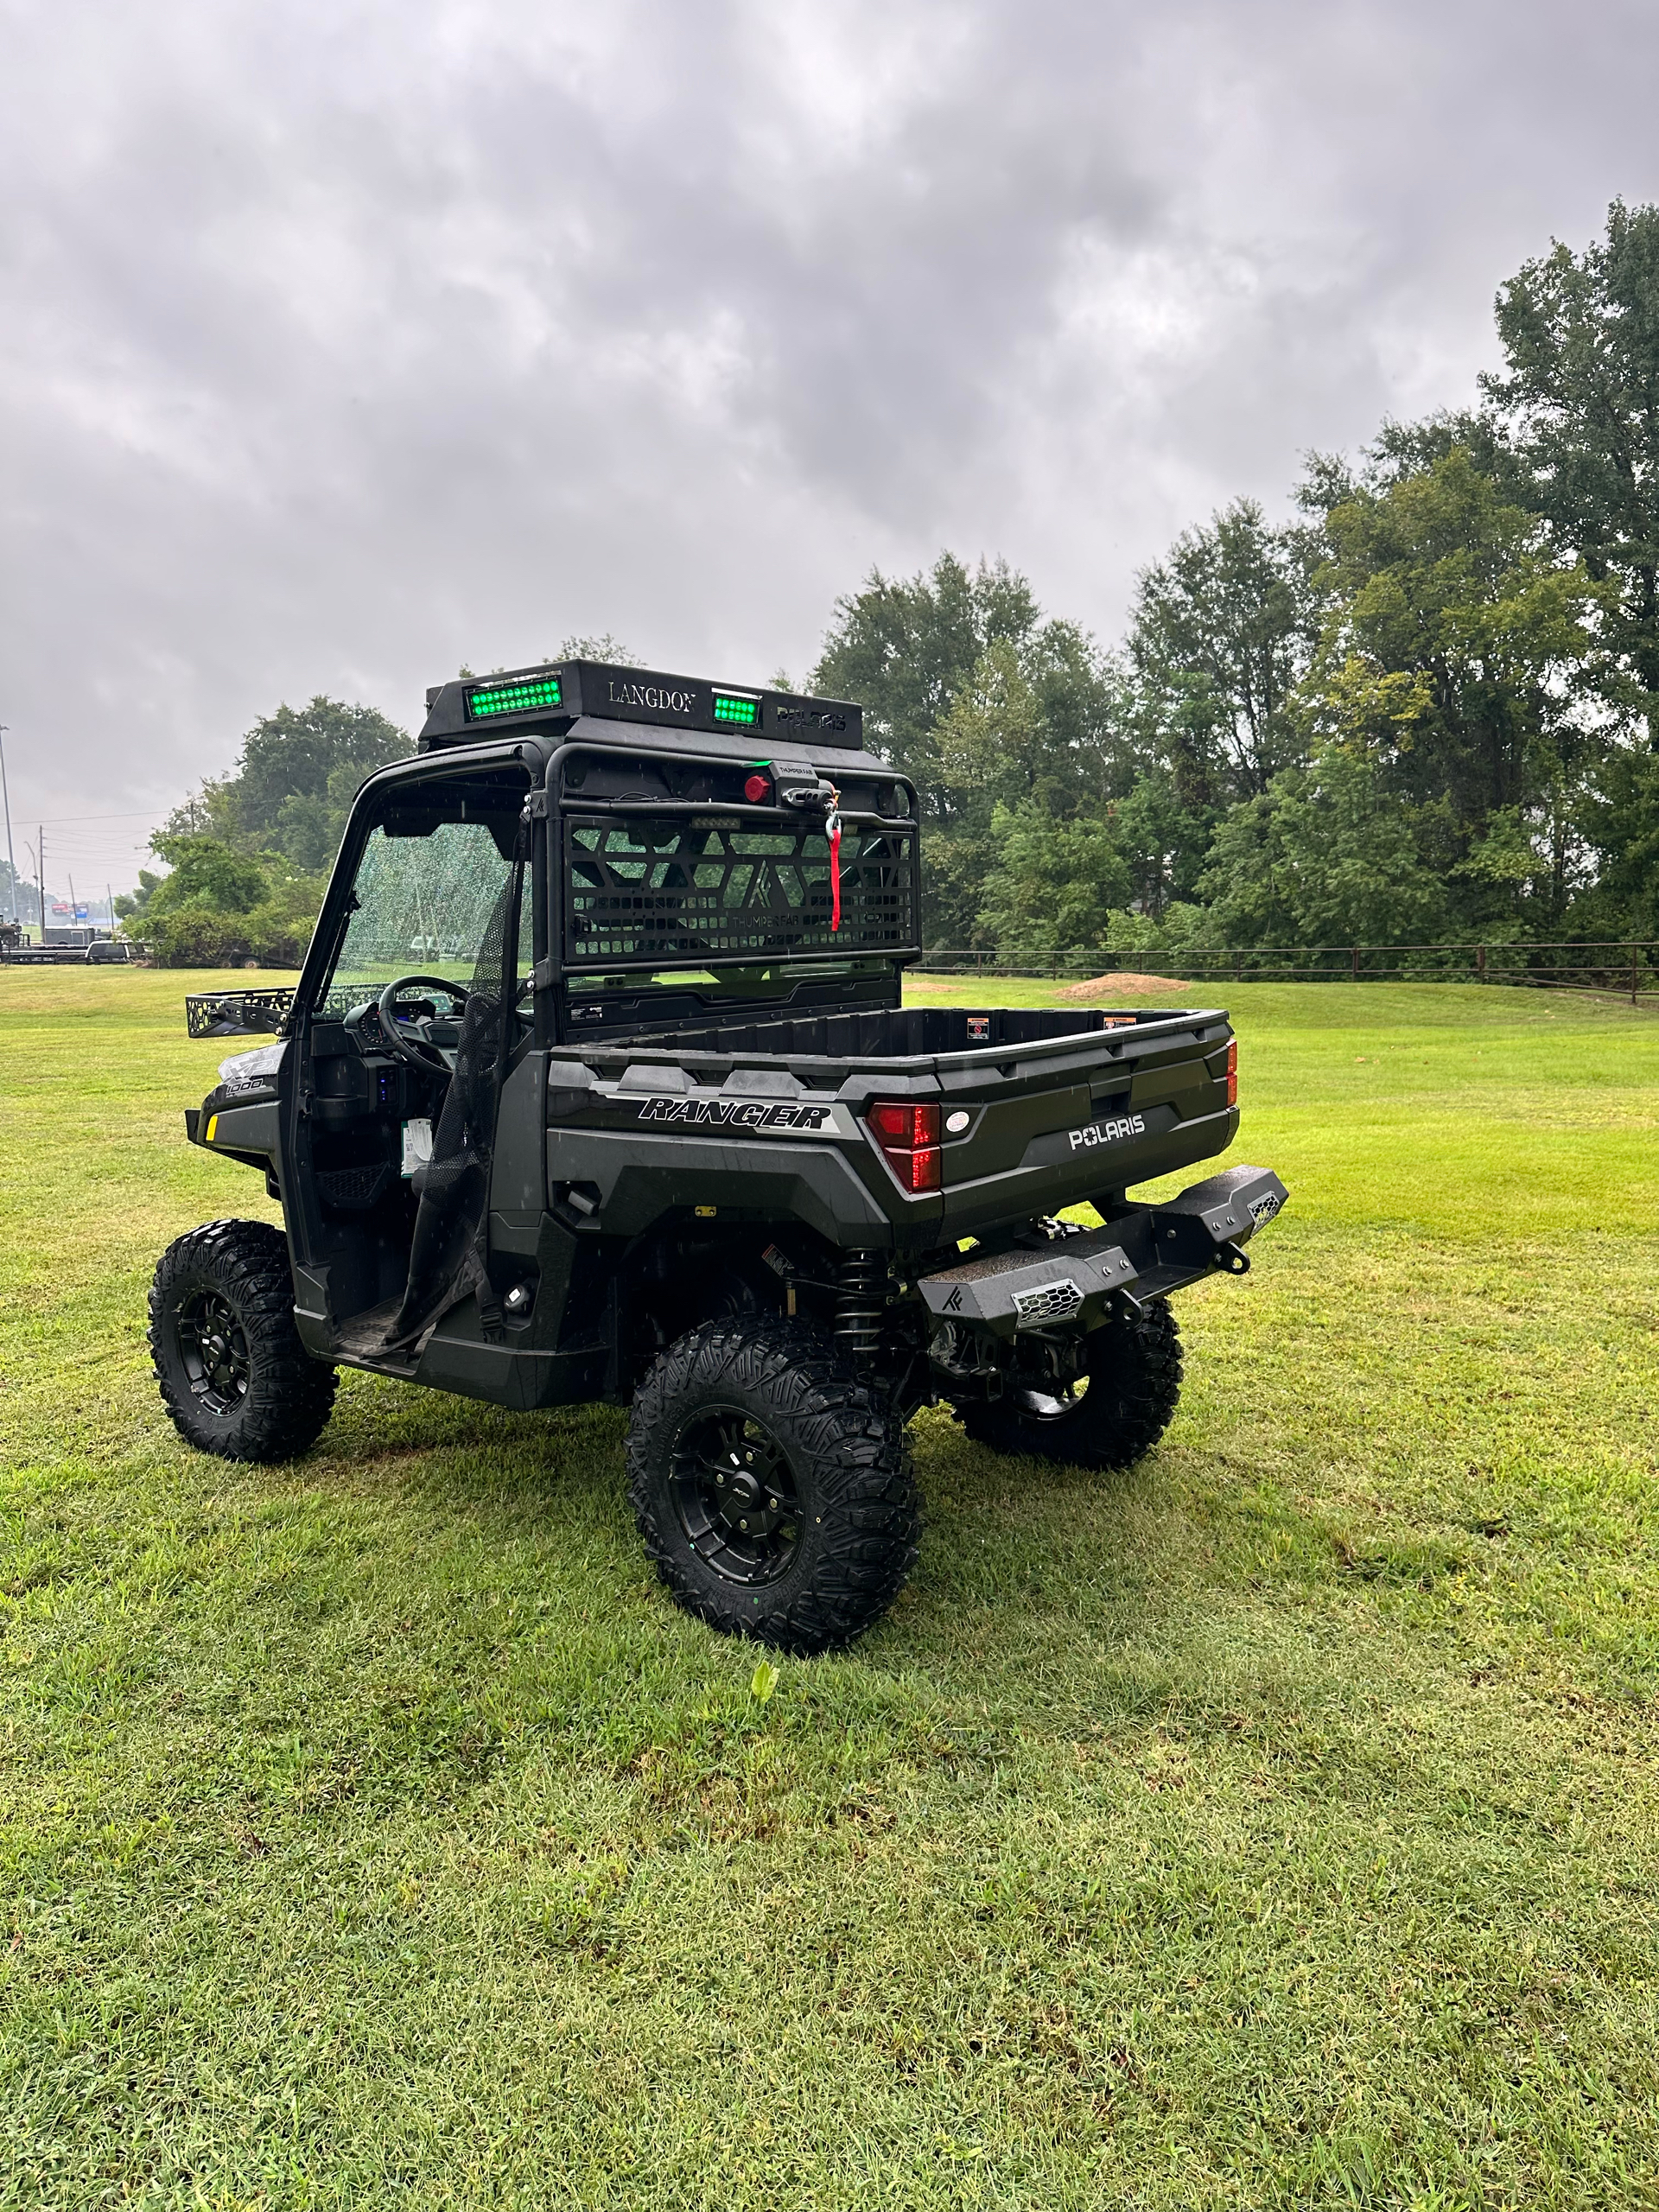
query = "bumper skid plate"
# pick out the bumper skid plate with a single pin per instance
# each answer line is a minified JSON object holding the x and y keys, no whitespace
{"x":1144,"y":1253}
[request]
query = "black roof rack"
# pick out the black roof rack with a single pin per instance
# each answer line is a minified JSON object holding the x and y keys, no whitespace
{"x":552,"y":695}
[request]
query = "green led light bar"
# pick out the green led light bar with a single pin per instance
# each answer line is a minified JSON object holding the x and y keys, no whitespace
{"x":512,"y":698}
{"x":729,"y":708}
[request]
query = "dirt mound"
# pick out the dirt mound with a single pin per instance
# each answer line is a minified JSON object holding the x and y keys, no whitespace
{"x":1124,"y":986}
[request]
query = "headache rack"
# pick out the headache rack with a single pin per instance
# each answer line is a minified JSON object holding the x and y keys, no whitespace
{"x":648,"y":891}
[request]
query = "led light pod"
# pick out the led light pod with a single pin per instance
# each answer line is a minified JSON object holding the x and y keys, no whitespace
{"x":518,"y":698}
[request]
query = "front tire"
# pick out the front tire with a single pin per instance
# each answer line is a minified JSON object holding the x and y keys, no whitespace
{"x":772,"y":1487}
{"x":233,"y":1371}
{"x":1129,"y":1391}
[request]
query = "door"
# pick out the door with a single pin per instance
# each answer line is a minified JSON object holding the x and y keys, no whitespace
{"x":405,"y":1044}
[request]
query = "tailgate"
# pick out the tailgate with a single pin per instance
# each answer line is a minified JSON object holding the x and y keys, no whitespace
{"x":1034,"y":1129}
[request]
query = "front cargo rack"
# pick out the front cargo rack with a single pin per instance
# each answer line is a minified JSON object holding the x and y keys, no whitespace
{"x":238,"y":1013}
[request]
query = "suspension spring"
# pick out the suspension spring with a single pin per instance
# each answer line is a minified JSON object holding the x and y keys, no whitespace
{"x":862,"y":1297}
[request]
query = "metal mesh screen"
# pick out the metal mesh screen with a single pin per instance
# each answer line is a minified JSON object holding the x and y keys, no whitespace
{"x":237,"y":1013}
{"x":672,"y":888}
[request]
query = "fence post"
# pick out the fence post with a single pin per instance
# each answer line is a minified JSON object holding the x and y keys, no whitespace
{"x":1356,"y":953}
{"x":1480,"y":963}
{"x":1632,"y":974}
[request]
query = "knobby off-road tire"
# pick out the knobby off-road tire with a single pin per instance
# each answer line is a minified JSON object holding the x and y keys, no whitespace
{"x":1133,"y":1388}
{"x":771,"y":1486}
{"x":233,"y":1371}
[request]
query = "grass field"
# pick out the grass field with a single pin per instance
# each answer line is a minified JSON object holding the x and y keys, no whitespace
{"x":1272,"y":1824}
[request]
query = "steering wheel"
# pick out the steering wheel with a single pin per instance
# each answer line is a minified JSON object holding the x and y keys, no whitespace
{"x":420,"y":1051}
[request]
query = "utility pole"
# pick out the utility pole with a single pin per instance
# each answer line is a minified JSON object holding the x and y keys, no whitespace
{"x":11,"y":887}
{"x":109,"y":900}
{"x":39,"y":850}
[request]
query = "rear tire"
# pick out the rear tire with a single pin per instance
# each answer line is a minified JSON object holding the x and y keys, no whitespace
{"x":233,"y":1371}
{"x":1133,"y":1385}
{"x":772,"y":1487}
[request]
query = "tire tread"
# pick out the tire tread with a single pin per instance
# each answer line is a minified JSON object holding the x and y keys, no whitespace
{"x":1131,"y":1400}
{"x":861,"y":1467}
{"x":290,"y":1395}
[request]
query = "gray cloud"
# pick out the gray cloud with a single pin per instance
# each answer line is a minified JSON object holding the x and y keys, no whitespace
{"x":343,"y":344}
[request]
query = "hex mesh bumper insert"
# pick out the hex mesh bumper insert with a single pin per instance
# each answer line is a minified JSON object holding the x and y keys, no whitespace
{"x":1050,"y":1302}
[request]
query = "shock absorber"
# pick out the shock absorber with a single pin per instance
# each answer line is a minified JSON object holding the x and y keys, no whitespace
{"x":861,"y":1293}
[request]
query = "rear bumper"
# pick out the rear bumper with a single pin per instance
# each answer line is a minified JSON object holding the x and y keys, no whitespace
{"x":1146,"y":1252}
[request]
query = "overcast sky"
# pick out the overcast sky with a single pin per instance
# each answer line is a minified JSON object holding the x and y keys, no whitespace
{"x":341,"y":343}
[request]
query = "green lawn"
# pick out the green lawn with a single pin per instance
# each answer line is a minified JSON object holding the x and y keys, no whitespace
{"x":1273,"y":1825}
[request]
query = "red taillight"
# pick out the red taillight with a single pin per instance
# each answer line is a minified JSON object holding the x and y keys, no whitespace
{"x":917,"y":1171}
{"x":757,"y":788}
{"x":898,"y":1122}
{"x":1232,"y":1073}
{"x":909,"y":1137}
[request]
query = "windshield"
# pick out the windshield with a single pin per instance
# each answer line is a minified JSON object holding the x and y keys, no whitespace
{"x":427,"y":904}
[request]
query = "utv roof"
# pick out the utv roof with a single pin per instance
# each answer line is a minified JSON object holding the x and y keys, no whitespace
{"x":554,"y":694}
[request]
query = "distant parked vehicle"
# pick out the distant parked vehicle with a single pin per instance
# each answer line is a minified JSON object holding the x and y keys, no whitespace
{"x":78,"y":946}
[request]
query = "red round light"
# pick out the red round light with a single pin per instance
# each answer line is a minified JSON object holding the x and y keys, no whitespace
{"x":757,"y":788}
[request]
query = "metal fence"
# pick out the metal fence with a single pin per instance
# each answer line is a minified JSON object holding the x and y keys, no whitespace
{"x":1626,"y":971}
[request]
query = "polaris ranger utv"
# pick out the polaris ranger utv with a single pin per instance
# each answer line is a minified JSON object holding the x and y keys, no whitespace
{"x":596,"y":1084}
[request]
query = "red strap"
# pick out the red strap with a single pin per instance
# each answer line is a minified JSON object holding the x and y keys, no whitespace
{"x":834,"y":827}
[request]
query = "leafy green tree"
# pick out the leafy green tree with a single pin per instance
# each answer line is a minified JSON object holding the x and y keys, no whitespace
{"x":1055,"y":882}
{"x":1222,"y":629}
{"x":220,"y":906}
{"x":293,"y":785}
{"x":1580,"y":403}
{"x":1460,"y":657}
{"x":904,"y":648}
{"x":603,"y":648}
{"x":985,"y":704}
{"x":1325,"y":856}
{"x":1032,"y":732}
{"x":1164,"y":840}
{"x":1620,"y":821}
{"x":207,"y":874}
{"x":131,"y":907}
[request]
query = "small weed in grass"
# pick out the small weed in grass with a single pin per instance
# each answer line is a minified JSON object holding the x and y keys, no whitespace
{"x":1271,"y":1825}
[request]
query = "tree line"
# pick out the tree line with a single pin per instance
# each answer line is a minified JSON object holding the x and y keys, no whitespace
{"x":1425,"y":708}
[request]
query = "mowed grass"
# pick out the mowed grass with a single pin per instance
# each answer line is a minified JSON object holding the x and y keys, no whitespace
{"x":1272,"y":1825}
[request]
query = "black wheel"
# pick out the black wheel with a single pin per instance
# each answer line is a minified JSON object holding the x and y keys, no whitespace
{"x":233,"y":1371}
{"x":771,"y":1486}
{"x":1111,"y":1415}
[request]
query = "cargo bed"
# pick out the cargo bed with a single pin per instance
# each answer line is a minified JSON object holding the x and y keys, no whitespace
{"x":1040,"y":1109}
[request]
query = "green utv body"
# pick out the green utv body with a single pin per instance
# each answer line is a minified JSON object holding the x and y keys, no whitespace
{"x":596,"y":1083}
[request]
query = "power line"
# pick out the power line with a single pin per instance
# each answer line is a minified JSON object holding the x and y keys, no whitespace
{"x":132,"y":814}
